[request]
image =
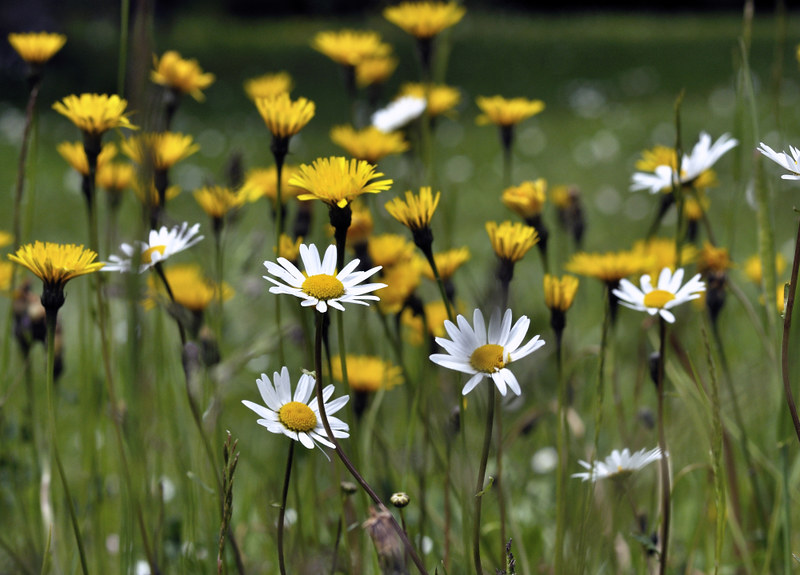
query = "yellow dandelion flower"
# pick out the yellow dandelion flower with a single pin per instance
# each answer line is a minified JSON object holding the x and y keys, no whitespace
{"x":36,"y":47}
{"x":401,"y":280}
{"x":559,"y":293}
{"x":562,"y":196}
{"x":6,"y":272}
{"x":75,"y":155}
{"x":350,"y":47}
{"x":55,"y":265}
{"x":440,"y":98}
{"x":424,"y":19}
{"x":180,"y":75}
{"x":283,"y":116}
{"x":368,"y":373}
{"x":506,"y":112}
{"x":713,"y":259}
{"x":695,"y":206}
{"x":268,"y":85}
{"x":753,"y":271}
{"x":148,"y":195}
{"x":435,"y":317}
{"x":656,"y":156}
{"x":361,"y":224}
{"x":190,"y":288}
{"x":217,"y":201}
{"x":369,"y":144}
{"x":659,"y":253}
{"x":6,"y":239}
{"x":337,"y":181}
{"x":416,"y":211}
{"x":526,"y":199}
{"x":389,"y":250}
{"x":95,"y":114}
{"x":263,"y":183}
{"x":289,"y":248}
{"x":115,"y":176}
{"x":608,"y":267}
{"x":511,"y":241}
{"x":375,"y":70}
{"x":163,"y":149}
{"x":447,"y":263}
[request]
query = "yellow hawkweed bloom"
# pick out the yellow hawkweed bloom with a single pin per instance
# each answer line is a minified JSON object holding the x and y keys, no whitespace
{"x":115,"y":176}
{"x":180,"y":75}
{"x":666,"y":156}
{"x":609,"y":267}
{"x":367,"y":373}
{"x":263,"y":183}
{"x":6,"y":238}
{"x":375,"y":70}
{"x":369,"y":144}
{"x":350,"y":47}
{"x":190,"y":288}
{"x":361,"y":224}
{"x":95,"y":114}
{"x":56,"y":264}
{"x":289,"y":248}
{"x":163,"y":149}
{"x":75,"y":155}
{"x":148,"y":195}
{"x":659,"y":253}
{"x":285,"y":118}
{"x":435,"y":316}
{"x":559,"y":293}
{"x":415,"y":212}
{"x":447,"y":263}
{"x":401,"y":280}
{"x":526,"y":199}
{"x":752,"y":267}
{"x":338,"y":181}
{"x":389,"y":250}
{"x":268,"y":85}
{"x":217,"y":201}
{"x":511,"y":241}
{"x":424,"y":19}
{"x":6,"y":271}
{"x":713,"y":259}
{"x":440,"y":98}
{"x":36,"y":47}
{"x":502,"y":112}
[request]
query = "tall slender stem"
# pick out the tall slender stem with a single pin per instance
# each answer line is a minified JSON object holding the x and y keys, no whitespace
{"x":487,"y":443}
{"x":662,"y":444}
{"x":563,"y":449}
{"x":282,"y":513}
{"x":787,"y":329}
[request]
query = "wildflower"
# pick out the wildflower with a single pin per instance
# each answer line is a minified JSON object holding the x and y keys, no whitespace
{"x":296,"y":417}
{"x":559,"y":293}
{"x":283,"y":116}
{"x":713,"y":259}
{"x":163,"y":149}
{"x":268,"y":85}
{"x":368,"y":373}
{"x":389,"y":250}
{"x":567,"y":200}
{"x":36,"y":48}
{"x":447,"y":263}
{"x":786,"y":161}
{"x":752,"y":267}
{"x":667,"y":294}
{"x":6,"y":272}
{"x":320,"y":286}
{"x":369,"y":144}
{"x":424,"y":19}
{"x":162,"y":244}
{"x":263,"y":182}
{"x":415,"y":212}
{"x":115,"y":176}
{"x":659,"y":253}
{"x":401,"y":279}
{"x":526,"y":199}
{"x":75,"y":155}
{"x":440,"y":99}
{"x":511,"y":241}
{"x":398,"y":113}
{"x":149,"y":195}
{"x":95,"y":114}
{"x":485,"y":354}
{"x":618,"y":465}
{"x":434,"y":314}
{"x":289,"y":248}
{"x":350,"y":47}
{"x":375,"y":70}
{"x":361,"y":225}
{"x":504,"y":112}
{"x":400,"y":499}
{"x":180,"y":75}
{"x":6,"y":238}
{"x":217,"y":201}
{"x":189,"y":286}
{"x":55,"y":265}
{"x":337,"y":181}
{"x":608,"y":267}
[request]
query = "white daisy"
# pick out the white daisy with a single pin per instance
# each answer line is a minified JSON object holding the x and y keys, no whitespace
{"x":398,"y":113}
{"x":618,"y":465}
{"x":784,"y":160}
{"x":666,"y":295}
{"x":482,"y":353}
{"x":298,"y":418}
{"x":703,"y":156}
{"x":320,"y":286}
{"x":161,"y":244}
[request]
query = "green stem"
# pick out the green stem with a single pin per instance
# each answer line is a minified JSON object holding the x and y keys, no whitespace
{"x":282,"y":513}
{"x":487,"y":443}
{"x":662,"y":444}
{"x":122,"y":64}
{"x":562,"y":443}
{"x":787,"y":328}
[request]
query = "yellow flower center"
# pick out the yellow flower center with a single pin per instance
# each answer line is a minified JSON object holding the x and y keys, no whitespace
{"x":488,"y":358}
{"x":297,"y":416}
{"x":147,"y":256}
{"x":323,"y":287}
{"x":658,"y":298}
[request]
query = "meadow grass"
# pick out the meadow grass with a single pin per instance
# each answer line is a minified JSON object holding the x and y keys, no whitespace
{"x":610,"y":83}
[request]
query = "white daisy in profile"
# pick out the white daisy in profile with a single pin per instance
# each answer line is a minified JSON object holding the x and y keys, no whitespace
{"x":618,"y":465}
{"x":399,"y":113}
{"x":320,"y":286}
{"x":703,"y":156}
{"x":660,"y":299}
{"x":786,"y":161}
{"x":297,"y":418}
{"x":482,"y":353}
{"x":161,"y":244}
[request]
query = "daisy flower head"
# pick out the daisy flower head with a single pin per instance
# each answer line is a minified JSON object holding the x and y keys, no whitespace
{"x":399,"y":113}
{"x":319,"y":285}
{"x":667,"y":294}
{"x":788,"y":162}
{"x":162,"y":244}
{"x":295,"y":416}
{"x":36,"y":48}
{"x":618,"y":465}
{"x":483,"y":353}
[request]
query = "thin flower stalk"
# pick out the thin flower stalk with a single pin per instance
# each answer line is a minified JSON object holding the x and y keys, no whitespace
{"x":479,"y":490}
{"x":282,"y":513}
{"x":787,"y":329}
{"x":666,"y":487}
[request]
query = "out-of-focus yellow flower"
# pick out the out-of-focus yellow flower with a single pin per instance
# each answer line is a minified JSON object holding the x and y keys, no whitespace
{"x":401,"y":280}
{"x":375,"y":70}
{"x":559,"y":293}
{"x":659,"y":253}
{"x":190,"y":288}
{"x":504,"y":112}
{"x":435,"y":316}
{"x":148,"y":195}
{"x":217,"y":201}
{"x":268,"y":85}
{"x":6,"y":238}
{"x":369,"y":144}
{"x":367,"y":373}
{"x":36,"y":47}
{"x":713,"y":259}
{"x":337,"y":181}
{"x":695,"y":206}
{"x":350,"y":47}
{"x":424,"y":19}
{"x":665,"y":156}
{"x":6,"y":272}
{"x":115,"y":176}
{"x":753,"y":271}
{"x":75,"y":155}
{"x":389,"y":250}
{"x":180,"y":75}
{"x":95,"y":114}
{"x":609,"y":267}
{"x":440,"y":98}
{"x":447,"y":263}
{"x":289,"y":248}
{"x":526,"y":199}
{"x":283,"y":116}
{"x":511,"y":241}
{"x":163,"y":149}
{"x":263,"y":183}
{"x":361,"y":224}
